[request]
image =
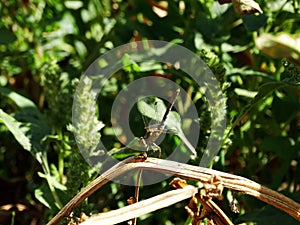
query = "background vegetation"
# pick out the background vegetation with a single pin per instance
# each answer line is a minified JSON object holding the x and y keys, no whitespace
{"x":46,"y":45}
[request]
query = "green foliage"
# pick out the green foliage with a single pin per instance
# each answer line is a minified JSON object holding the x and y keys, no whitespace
{"x":46,"y":45}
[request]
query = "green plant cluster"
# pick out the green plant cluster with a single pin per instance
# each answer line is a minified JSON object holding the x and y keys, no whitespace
{"x":46,"y":45}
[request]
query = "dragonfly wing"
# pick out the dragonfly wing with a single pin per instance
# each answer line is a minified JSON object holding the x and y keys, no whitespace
{"x":187,"y":143}
{"x":171,"y":131}
{"x":135,"y":144}
{"x":174,"y":123}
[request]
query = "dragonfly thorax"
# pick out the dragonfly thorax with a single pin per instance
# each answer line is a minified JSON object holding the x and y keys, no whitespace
{"x":153,"y":134}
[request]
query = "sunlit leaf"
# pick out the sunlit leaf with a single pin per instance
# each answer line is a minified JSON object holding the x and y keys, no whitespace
{"x":14,"y":127}
{"x":27,"y":124}
{"x":53,"y":181}
{"x":160,"y":8}
{"x":243,"y":7}
{"x":280,"y":46}
{"x":39,"y":194}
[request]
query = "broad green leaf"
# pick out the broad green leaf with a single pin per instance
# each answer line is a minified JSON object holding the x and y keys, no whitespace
{"x":253,"y":22}
{"x":39,"y":194}
{"x":27,"y":124}
{"x":6,"y":36}
{"x":26,"y":108}
{"x":44,"y":195}
{"x":14,"y":127}
{"x":156,"y":112}
{"x":148,"y":109}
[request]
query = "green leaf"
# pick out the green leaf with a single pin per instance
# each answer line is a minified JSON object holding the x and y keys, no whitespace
{"x":39,"y":194}
{"x":27,"y":110}
{"x":148,"y":109}
{"x":253,"y":22}
{"x":7,"y":36}
{"x":53,"y":181}
{"x":43,"y":194}
{"x":130,"y":64}
{"x":14,"y":127}
{"x":156,"y":112}
{"x":27,"y":124}
{"x":244,"y":73}
{"x":263,"y":91}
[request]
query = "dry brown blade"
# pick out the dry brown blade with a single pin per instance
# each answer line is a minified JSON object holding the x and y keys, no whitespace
{"x":243,"y":7}
{"x":142,"y":207}
{"x":209,"y":209}
{"x":204,"y":175}
{"x":230,"y":181}
{"x":280,"y":46}
{"x":213,"y":209}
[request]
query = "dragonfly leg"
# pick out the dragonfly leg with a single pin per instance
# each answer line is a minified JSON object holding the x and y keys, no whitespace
{"x":142,"y":141}
{"x":155,"y":147}
{"x":150,"y":146}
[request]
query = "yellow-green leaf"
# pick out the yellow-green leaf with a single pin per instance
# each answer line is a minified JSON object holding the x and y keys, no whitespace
{"x":280,"y":46}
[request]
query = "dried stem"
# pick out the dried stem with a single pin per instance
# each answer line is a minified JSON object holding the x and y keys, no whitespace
{"x":142,"y":207}
{"x":136,"y":192}
{"x":236,"y":183}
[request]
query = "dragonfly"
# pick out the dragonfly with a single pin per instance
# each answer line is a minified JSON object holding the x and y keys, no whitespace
{"x":154,"y":131}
